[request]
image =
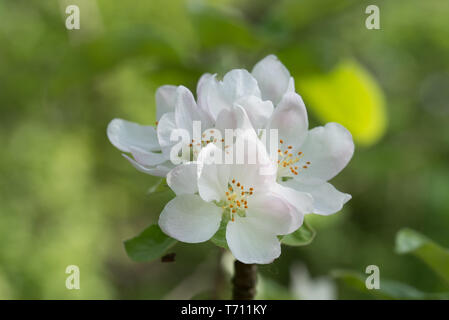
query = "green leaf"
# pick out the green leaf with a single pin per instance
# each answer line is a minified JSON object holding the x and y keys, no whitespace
{"x":301,"y":237}
{"x":219,"y":238}
{"x":388,"y":289}
{"x":350,"y":96}
{"x":435,"y":256}
{"x":150,"y":245}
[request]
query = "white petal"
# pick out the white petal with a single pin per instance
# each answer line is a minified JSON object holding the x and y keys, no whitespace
{"x":210,"y":96}
{"x":271,"y":213}
{"x":187,"y":111}
{"x":233,"y":118}
{"x":205,"y":83}
{"x":125,"y":134}
{"x":216,"y":96}
{"x":273,"y":78}
{"x":291,"y":85}
{"x":290,"y":119}
{"x":165,"y":100}
{"x":212,"y":177}
{"x":249,"y":243}
{"x":188,"y":218}
{"x":164,"y":129}
{"x":328,"y":149}
{"x":258,"y":111}
{"x":202,"y":81}
{"x":158,"y":171}
{"x":183,"y":179}
{"x":147,"y":158}
{"x":239,"y":83}
{"x":252,"y":166}
{"x":301,"y":201}
{"x":326,"y":199}
{"x":305,"y":288}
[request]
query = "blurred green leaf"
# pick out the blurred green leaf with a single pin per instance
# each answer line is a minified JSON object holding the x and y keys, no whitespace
{"x":151,"y":244}
{"x":293,"y":14}
{"x":216,"y":27}
{"x":301,"y":237}
{"x":350,"y":96}
{"x":159,"y":195}
{"x":388,"y":289}
{"x":268,"y":289}
{"x":203,"y":295}
{"x":435,"y":256}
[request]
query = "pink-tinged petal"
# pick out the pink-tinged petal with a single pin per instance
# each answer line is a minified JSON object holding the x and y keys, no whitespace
{"x":183,"y":179}
{"x":273,"y":78}
{"x":328,"y":149}
{"x":188,"y":218}
{"x":125,"y":134}
{"x":165,"y":100}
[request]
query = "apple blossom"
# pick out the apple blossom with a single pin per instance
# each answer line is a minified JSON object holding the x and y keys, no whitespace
{"x":142,"y":141}
{"x":307,"y":160}
{"x":256,"y":207}
{"x":241,"y":194}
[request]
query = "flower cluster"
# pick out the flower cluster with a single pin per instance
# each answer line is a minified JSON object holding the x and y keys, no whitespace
{"x":256,"y":200}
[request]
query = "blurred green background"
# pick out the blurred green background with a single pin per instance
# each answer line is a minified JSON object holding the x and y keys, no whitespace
{"x":67,"y":196}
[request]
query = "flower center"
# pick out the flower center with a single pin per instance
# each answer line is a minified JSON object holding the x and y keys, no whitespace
{"x":289,"y":161}
{"x":236,"y":199}
{"x":196,"y":145}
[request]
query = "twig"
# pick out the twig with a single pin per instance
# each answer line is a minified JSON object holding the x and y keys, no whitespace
{"x":244,"y":281}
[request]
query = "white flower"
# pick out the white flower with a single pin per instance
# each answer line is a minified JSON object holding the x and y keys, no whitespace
{"x":307,"y":159}
{"x":238,"y":193}
{"x":238,"y":87}
{"x":177,"y":109}
{"x":142,"y":141}
{"x":304,"y":287}
{"x":268,"y":205}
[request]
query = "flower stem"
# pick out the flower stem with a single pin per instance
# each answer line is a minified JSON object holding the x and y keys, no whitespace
{"x":244,"y":281}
